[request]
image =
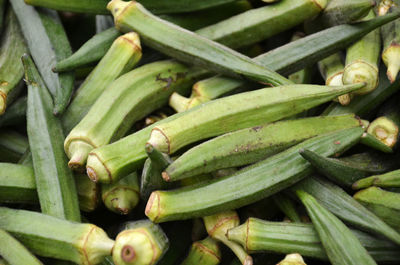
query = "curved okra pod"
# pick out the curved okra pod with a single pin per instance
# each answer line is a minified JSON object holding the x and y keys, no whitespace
{"x":187,"y":46}
{"x":88,"y":193}
{"x":204,"y":252}
{"x":251,"y":145}
{"x":14,"y":252}
{"x":218,"y":225}
{"x":341,"y":246}
{"x":122,"y":196}
{"x":124,"y":53}
{"x":128,"y":99}
{"x":12,"y":146}
{"x":54,"y":180}
{"x":250,"y":109}
{"x":384,"y":204}
{"x":247,"y":185}
{"x":391,"y":48}
{"x":140,"y":243}
{"x":48,"y":43}
{"x":387,"y":180}
{"x":12,"y":47}
{"x":362,"y":61}
{"x":346,"y":207}
{"x":48,"y":236}
{"x":15,"y":114}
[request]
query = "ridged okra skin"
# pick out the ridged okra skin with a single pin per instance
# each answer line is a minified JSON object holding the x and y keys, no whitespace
{"x":181,"y":6}
{"x":140,"y":243}
{"x":123,"y":55}
{"x":12,"y":47}
{"x":257,"y":235}
{"x":247,"y":185}
{"x":204,"y":252}
{"x":341,"y":246}
{"x":187,"y":46}
{"x":261,"y":23}
{"x":362,"y":61}
{"x":287,"y":206}
{"x":384,"y":204}
{"x":52,"y":237}
{"x":241,"y":111}
{"x":83,"y":6}
{"x":128,"y":99}
{"x":251,"y":145}
{"x":391,"y":48}
{"x":54,"y":180}
{"x":388,"y":180}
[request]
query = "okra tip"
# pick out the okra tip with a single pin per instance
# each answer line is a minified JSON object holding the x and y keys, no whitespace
{"x":77,"y":151}
{"x":97,"y":171}
{"x":116,"y":7}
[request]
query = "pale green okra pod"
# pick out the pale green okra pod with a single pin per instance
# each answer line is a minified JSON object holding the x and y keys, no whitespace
{"x":206,"y":252}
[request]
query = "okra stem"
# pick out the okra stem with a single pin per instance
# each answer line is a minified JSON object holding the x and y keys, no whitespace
{"x":387,"y":180}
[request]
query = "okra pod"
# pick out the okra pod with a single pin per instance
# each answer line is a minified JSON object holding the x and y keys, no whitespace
{"x":303,"y":76}
{"x":251,"y":109}
{"x":341,"y":246}
{"x":86,"y":6}
{"x":251,"y":145}
{"x":141,"y":243}
{"x":346,"y":208}
{"x":292,"y":259}
{"x":247,"y":185}
{"x":362,"y":61}
{"x":388,"y":180}
{"x":122,"y":196}
{"x":384,"y":204}
{"x":187,"y":46}
{"x":88,"y":193}
{"x":48,"y":236}
{"x":92,"y":51}
{"x":15,"y":114}
{"x":104,"y":22}
{"x":128,"y":99}
{"x":12,"y":47}
{"x":257,"y":235}
{"x":205,"y":252}
{"x":12,"y":146}
{"x":391,"y":48}
{"x":124,"y":53}
{"x":14,"y":252}
{"x":54,"y":180}
{"x":287,"y":206}
{"x":181,"y":6}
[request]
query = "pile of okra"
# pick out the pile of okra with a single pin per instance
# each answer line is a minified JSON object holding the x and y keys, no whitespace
{"x":199,"y":132}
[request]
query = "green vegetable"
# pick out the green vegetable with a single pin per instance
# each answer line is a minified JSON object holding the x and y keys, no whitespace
{"x":15,"y":114}
{"x":373,"y":142}
{"x":12,"y":145}
{"x":388,"y":180}
{"x":287,"y":206}
{"x":292,"y":259}
{"x":88,"y":193}
{"x":84,"y":6}
{"x":391,"y":48}
{"x":205,"y":252}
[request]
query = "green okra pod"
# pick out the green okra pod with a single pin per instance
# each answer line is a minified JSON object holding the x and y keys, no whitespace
{"x":15,"y":114}
{"x":13,"y":145}
{"x":14,"y":252}
{"x":257,"y":235}
{"x":287,"y":206}
{"x":362,"y":61}
{"x":54,"y":180}
{"x":187,"y":46}
{"x":384,"y":204}
{"x":122,"y":196}
{"x":341,"y":246}
{"x":48,"y":236}
{"x":128,"y":99}
{"x":247,"y":185}
{"x":346,"y":208}
{"x":84,"y":6}
{"x":88,"y":193}
{"x":250,"y":109}
{"x":104,"y":22}
{"x":92,"y":51}
{"x":205,"y":252}
{"x":12,"y":47}
{"x":251,"y":145}
{"x":181,"y":6}
{"x":140,"y":243}
{"x":391,"y":48}
{"x":388,"y":180}
{"x":120,"y":58}
{"x":17,"y":184}
{"x":292,"y":259}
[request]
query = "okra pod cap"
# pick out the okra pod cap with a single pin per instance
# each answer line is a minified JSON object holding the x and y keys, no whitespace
{"x":292,"y":259}
{"x":385,"y":130}
{"x":361,"y":72}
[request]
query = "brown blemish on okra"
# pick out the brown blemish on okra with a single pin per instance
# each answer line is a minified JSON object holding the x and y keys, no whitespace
{"x":204,"y":249}
{"x":221,"y":223}
{"x":318,"y":4}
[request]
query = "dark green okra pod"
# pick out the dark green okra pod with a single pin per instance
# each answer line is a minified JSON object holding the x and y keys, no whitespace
{"x":54,"y":180}
{"x":205,"y":252}
{"x":388,"y":180}
{"x":287,"y":206}
{"x":84,"y":6}
{"x":13,"y":145}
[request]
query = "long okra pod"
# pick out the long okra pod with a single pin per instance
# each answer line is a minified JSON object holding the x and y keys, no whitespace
{"x":388,"y":180}
{"x":13,"y":145}
{"x":206,"y":252}
{"x":247,"y":185}
{"x":241,"y":111}
{"x":14,"y":252}
{"x":120,"y":58}
{"x":346,"y":208}
{"x":54,"y":180}
{"x":187,"y":46}
{"x":84,"y":6}
{"x":362,"y":61}
{"x":128,"y":99}
{"x":341,"y":246}
{"x":391,"y":48}
{"x":251,"y":145}
{"x":12,"y":47}
{"x":48,"y":236}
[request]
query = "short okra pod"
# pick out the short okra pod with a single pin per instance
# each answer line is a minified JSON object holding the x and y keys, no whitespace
{"x":14,"y":252}
{"x":251,"y":109}
{"x":88,"y":193}
{"x":123,"y":55}
{"x":388,"y":180}
{"x":247,"y":185}
{"x":48,"y":236}
{"x":391,"y":48}
{"x":140,"y":243}
{"x":205,"y":252}
{"x":122,"y":196}
{"x":341,"y":246}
